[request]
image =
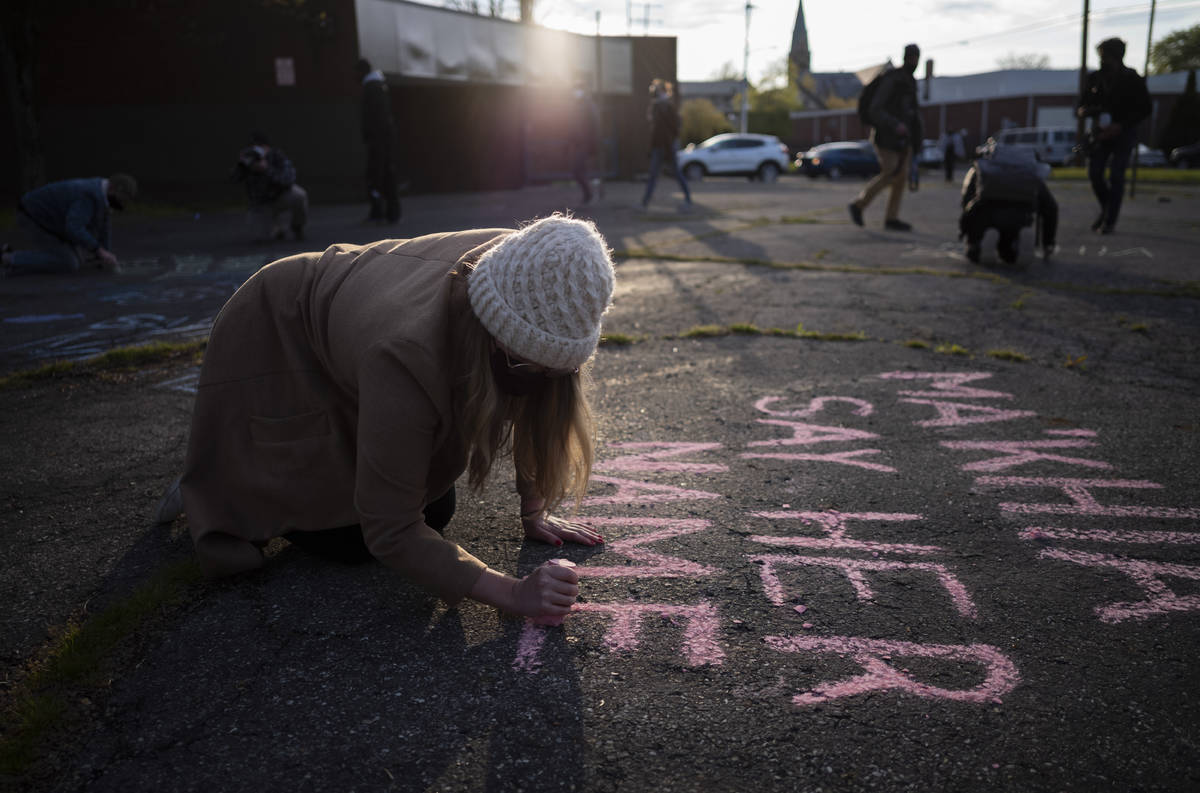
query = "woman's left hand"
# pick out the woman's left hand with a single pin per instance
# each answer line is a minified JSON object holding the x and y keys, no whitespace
{"x":547,"y":528}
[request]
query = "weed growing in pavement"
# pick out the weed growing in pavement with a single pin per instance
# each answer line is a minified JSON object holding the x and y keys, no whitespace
{"x":917,"y":344}
{"x":704,"y":332}
{"x":1009,"y":355}
{"x":114,"y":359}
{"x":76,"y":660}
{"x":748,"y":329}
{"x":1075,"y":362}
{"x":619,"y":340}
{"x":1019,"y":303}
{"x":951,"y":349}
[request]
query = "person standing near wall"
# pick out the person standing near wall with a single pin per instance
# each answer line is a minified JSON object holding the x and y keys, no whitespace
{"x":895,"y":134}
{"x":68,"y":223}
{"x":952,"y":151}
{"x":582,"y":138}
{"x":664,"y":133}
{"x":1116,"y":99}
{"x":379,"y":135}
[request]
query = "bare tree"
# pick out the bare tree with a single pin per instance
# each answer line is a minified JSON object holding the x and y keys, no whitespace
{"x":1030,"y":60}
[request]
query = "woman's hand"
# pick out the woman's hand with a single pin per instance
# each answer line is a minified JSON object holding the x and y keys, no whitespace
{"x":547,"y":593}
{"x":547,"y":528}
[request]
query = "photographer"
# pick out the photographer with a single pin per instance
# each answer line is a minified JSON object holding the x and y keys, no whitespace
{"x":896,"y":134}
{"x":1116,"y":100}
{"x":271,"y":189}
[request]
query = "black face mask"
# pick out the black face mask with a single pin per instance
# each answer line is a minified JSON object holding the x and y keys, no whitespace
{"x":511,"y":382}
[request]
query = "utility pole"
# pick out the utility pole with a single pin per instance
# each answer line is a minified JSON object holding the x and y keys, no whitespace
{"x":1083,"y":73}
{"x":1145,"y":74}
{"x":746,"y":73}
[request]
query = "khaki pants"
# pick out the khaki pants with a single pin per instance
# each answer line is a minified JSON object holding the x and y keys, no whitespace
{"x":893,"y":172}
{"x":267,"y":219}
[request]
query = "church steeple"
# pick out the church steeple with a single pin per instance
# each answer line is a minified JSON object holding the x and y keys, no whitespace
{"x":799,"y":54}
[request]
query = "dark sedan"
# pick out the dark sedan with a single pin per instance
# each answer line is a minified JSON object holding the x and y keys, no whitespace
{"x":847,"y":158}
{"x":1186,"y":156}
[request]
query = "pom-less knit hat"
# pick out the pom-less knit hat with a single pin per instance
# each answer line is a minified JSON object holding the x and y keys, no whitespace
{"x":541,"y":291}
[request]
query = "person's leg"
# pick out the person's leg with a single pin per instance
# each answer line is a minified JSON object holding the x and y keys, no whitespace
{"x":46,"y":254}
{"x":388,"y":186}
{"x":222,"y":555}
{"x":889,"y":168}
{"x":687,"y":194}
{"x":974,"y":224}
{"x":1048,"y":210}
{"x":949,"y":163}
{"x":1007,"y":247}
{"x":439,"y":512}
{"x":297,"y":201}
{"x":652,"y":176}
{"x":1097,"y":161}
{"x":898,"y":184}
{"x":1122,"y":151}
{"x":373,"y":182}
{"x":579,"y":172}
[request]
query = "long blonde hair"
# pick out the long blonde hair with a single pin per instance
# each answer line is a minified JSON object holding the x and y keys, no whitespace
{"x":550,"y":433}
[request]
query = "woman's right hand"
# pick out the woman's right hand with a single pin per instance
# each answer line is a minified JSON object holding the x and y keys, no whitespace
{"x":549,"y":591}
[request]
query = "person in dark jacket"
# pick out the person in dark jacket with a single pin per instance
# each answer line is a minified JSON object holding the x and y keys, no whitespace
{"x":69,"y":222}
{"x":896,"y":134}
{"x":1008,"y":213}
{"x":271,"y":189}
{"x":1116,"y":99}
{"x":379,"y":134}
{"x":664,"y":132}
{"x":582,"y":138}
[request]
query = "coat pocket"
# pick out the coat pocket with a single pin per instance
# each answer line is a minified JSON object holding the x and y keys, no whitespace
{"x":289,"y":429}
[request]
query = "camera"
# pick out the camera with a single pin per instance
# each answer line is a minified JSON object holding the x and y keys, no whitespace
{"x":251,"y":155}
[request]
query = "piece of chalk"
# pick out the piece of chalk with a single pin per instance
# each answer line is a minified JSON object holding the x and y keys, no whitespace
{"x":561,"y":562}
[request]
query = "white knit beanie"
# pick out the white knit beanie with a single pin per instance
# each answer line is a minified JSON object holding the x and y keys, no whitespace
{"x":541,"y":291}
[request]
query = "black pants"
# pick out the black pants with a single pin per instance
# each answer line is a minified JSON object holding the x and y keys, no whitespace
{"x":381,"y":181}
{"x":1113,"y":154}
{"x":345,"y":544}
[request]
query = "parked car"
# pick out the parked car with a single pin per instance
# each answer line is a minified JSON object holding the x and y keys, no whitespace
{"x":1054,"y":145}
{"x":1150,"y":158}
{"x":1186,"y":156}
{"x":930,"y":155}
{"x":845,"y":158}
{"x":762,"y":157}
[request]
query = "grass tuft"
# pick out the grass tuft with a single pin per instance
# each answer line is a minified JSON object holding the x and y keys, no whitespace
{"x":704,"y":331}
{"x":951,"y":349}
{"x":118,"y":358}
{"x":917,"y":344}
{"x":1008,"y":355}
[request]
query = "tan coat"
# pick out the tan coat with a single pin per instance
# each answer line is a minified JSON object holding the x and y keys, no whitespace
{"x":325,"y":401}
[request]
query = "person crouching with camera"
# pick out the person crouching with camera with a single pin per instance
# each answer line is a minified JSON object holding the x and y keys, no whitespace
{"x":271,"y":189}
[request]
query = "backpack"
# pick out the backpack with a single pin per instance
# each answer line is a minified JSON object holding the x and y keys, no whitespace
{"x":1010,"y":174}
{"x":868,"y":95}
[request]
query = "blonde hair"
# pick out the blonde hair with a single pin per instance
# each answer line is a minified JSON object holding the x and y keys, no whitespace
{"x":550,"y":433}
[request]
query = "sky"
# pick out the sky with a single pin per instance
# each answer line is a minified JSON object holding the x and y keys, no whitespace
{"x":961,"y":36}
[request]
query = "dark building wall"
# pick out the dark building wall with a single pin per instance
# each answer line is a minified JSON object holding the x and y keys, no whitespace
{"x":169,"y":90}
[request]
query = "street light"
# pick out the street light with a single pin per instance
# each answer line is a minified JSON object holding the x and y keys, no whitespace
{"x":746,"y":72}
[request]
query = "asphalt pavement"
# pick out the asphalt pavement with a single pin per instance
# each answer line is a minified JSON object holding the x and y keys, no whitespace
{"x":876,"y":518}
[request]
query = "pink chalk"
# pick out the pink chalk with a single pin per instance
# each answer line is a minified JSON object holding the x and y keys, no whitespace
{"x":948,"y":385}
{"x":843,"y":458}
{"x":960,"y":414}
{"x":652,"y":458}
{"x":854,"y":570}
{"x":1131,"y":537}
{"x":807,"y":625}
{"x":653,"y":565}
{"x":529,"y":647}
{"x":1146,"y":575}
{"x":833,"y":524}
{"x":561,"y":562}
{"x":800,"y":609}
{"x":879,"y":675}
{"x":816,"y":405}
{"x":630,"y":491}
{"x":1079,"y":491}
{"x":807,"y":434}
{"x":1016,"y":453}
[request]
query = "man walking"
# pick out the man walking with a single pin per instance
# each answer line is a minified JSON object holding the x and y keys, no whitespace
{"x":1116,"y":99}
{"x":895,"y":134}
{"x":69,"y":222}
{"x":379,"y":134}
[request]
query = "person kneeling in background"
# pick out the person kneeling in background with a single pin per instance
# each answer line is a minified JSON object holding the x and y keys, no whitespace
{"x":1005,"y":189}
{"x":271,"y":189}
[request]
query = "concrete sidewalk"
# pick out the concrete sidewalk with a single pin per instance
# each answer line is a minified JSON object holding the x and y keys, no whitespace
{"x":958,"y":553}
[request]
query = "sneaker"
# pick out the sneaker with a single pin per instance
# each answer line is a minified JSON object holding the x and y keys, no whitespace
{"x":1107,"y":228}
{"x":897,"y":225}
{"x":170,"y":506}
{"x":855,"y":214}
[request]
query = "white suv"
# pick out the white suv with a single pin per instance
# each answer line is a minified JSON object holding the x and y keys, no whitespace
{"x":757,"y":156}
{"x":1052,"y":145}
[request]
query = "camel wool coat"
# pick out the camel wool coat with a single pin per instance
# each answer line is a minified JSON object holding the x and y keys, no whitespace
{"x":325,"y":400}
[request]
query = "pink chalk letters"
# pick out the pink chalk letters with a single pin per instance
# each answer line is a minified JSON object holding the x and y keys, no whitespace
{"x":873,"y":656}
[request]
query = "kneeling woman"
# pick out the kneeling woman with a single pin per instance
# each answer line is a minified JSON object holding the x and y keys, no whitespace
{"x":343,"y":393}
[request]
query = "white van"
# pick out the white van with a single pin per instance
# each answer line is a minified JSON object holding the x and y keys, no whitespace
{"x":1052,"y":145}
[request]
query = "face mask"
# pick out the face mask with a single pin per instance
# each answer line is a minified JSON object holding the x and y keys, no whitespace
{"x":512,"y":382}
